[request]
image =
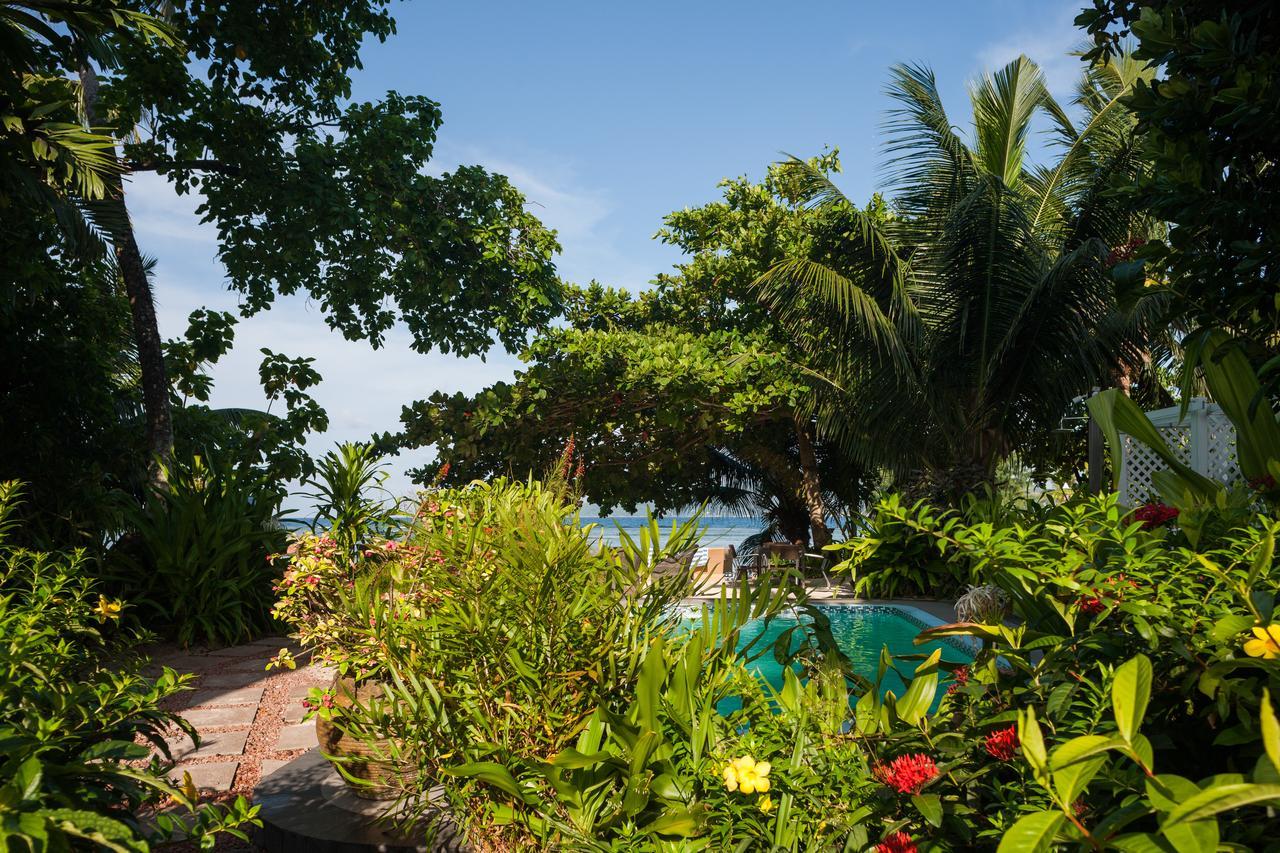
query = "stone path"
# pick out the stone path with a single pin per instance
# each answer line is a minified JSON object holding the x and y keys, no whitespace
{"x":249,"y":720}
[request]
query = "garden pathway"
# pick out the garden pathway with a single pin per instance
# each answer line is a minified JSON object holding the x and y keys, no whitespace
{"x":249,"y":719}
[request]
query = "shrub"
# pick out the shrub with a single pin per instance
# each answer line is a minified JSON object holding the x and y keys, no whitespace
{"x":73,"y":771}
{"x":891,"y":556}
{"x":197,"y":564}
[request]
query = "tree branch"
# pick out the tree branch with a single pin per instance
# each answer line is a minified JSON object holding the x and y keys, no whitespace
{"x":169,"y":165}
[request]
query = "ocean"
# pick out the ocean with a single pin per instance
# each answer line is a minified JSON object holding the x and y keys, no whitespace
{"x":719,"y":531}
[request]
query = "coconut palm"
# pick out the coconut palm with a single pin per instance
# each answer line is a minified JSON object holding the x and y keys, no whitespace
{"x":961,"y":329}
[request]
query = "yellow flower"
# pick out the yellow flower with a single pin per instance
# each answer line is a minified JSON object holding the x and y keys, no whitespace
{"x":189,"y":787}
{"x":766,"y":804}
{"x":1267,"y":644}
{"x":107,"y":609}
{"x":747,"y":775}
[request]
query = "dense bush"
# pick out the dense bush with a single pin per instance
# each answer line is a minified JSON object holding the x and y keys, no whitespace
{"x":197,"y":565}
{"x":77,"y":719}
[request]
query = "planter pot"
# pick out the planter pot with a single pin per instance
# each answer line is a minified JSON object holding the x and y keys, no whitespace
{"x":360,"y":760}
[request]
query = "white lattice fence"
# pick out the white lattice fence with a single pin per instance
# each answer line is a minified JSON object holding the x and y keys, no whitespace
{"x":1203,"y":440}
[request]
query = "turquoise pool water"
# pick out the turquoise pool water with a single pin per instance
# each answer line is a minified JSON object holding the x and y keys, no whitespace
{"x":860,"y":631}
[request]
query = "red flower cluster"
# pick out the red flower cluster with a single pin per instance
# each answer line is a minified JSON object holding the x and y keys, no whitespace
{"x":1123,"y":253}
{"x":907,"y":774}
{"x":899,"y":842}
{"x":1092,"y":605}
{"x":1002,"y":744}
{"x":961,"y":676}
{"x":1154,"y":514}
{"x":1265,"y":483}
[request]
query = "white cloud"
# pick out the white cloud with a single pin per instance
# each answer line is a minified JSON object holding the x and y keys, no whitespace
{"x":1049,"y":45}
{"x":581,"y":216}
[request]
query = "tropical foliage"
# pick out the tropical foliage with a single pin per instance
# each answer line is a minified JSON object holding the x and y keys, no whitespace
{"x":78,"y":734}
{"x":971,"y":318}
{"x":196,"y":565}
{"x":688,"y":392}
{"x":1207,"y":123}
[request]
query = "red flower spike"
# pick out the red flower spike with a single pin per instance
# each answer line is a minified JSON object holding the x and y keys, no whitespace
{"x":907,"y":774}
{"x":899,"y":842}
{"x":1002,"y":744}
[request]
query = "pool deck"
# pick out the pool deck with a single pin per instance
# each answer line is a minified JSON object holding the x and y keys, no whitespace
{"x":942,"y":609}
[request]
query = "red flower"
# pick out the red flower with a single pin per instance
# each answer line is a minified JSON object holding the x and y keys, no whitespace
{"x":1265,"y":483}
{"x":1002,"y":744}
{"x":1124,"y":253}
{"x":1092,"y":605}
{"x":961,"y":676}
{"x":899,"y":842}
{"x":907,"y":774}
{"x":1154,"y":514}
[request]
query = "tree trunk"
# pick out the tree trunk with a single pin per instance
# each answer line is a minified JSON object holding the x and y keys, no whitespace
{"x":811,"y":487}
{"x":146,"y":331}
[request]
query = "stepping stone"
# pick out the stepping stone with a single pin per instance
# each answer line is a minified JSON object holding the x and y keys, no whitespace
{"x":303,"y":690}
{"x":294,"y":711}
{"x":232,"y":680}
{"x":269,"y":766}
{"x":248,"y":651}
{"x":207,"y":777}
{"x":298,"y":736}
{"x":213,"y":743}
{"x":235,"y":696}
{"x":187,"y":663}
{"x":235,"y":715}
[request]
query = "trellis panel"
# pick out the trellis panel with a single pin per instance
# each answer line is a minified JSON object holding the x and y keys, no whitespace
{"x":1204,"y":440}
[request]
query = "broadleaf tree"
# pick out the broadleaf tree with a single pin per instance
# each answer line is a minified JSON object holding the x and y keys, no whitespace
{"x":685,"y":392}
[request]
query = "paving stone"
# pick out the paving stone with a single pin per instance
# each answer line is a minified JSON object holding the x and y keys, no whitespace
{"x":301,"y":691}
{"x":271,"y":765}
{"x":231,"y":696}
{"x":213,"y":743}
{"x":293,"y":711}
{"x":187,"y":663}
{"x":298,"y":736}
{"x":231,"y":680}
{"x":251,"y":650}
{"x":235,"y":715}
{"x":216,"y":777}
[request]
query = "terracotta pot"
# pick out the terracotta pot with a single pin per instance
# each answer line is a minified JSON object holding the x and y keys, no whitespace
{"x":358,"y":759}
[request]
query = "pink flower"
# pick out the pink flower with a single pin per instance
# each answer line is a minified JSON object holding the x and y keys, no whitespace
{"x":907,"y":774}
{"x":1002,"y":744}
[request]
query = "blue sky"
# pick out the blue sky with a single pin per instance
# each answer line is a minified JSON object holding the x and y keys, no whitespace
{"x":607,"y":116}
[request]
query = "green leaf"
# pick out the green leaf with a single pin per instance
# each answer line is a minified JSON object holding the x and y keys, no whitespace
{"x":1228,"y":628}
{"x":1130,"y":693}
{"x":929,"y":806}
{"x":1032,"y":742}
{"x":1221,"y":798}
{"x":491,"y":773}
{"x":679,"y":822}
{"x":1032,"y":833}
{"x":1270,"y":729}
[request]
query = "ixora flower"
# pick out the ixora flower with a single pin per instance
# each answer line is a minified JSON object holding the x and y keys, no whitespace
{"x":1002,"y":744}
{"x":747,"y":775}
{"x":907,"y":774}
{"x":899,"y":842}
{"x":1093,"y":605}
{"x":1154,"y":514}
{"x":1266,"y":642}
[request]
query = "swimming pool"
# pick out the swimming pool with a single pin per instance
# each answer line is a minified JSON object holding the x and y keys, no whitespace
{"x":861,"y":631}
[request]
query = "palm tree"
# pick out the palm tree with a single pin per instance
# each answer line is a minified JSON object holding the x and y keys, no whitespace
{"x":961,"y":329}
